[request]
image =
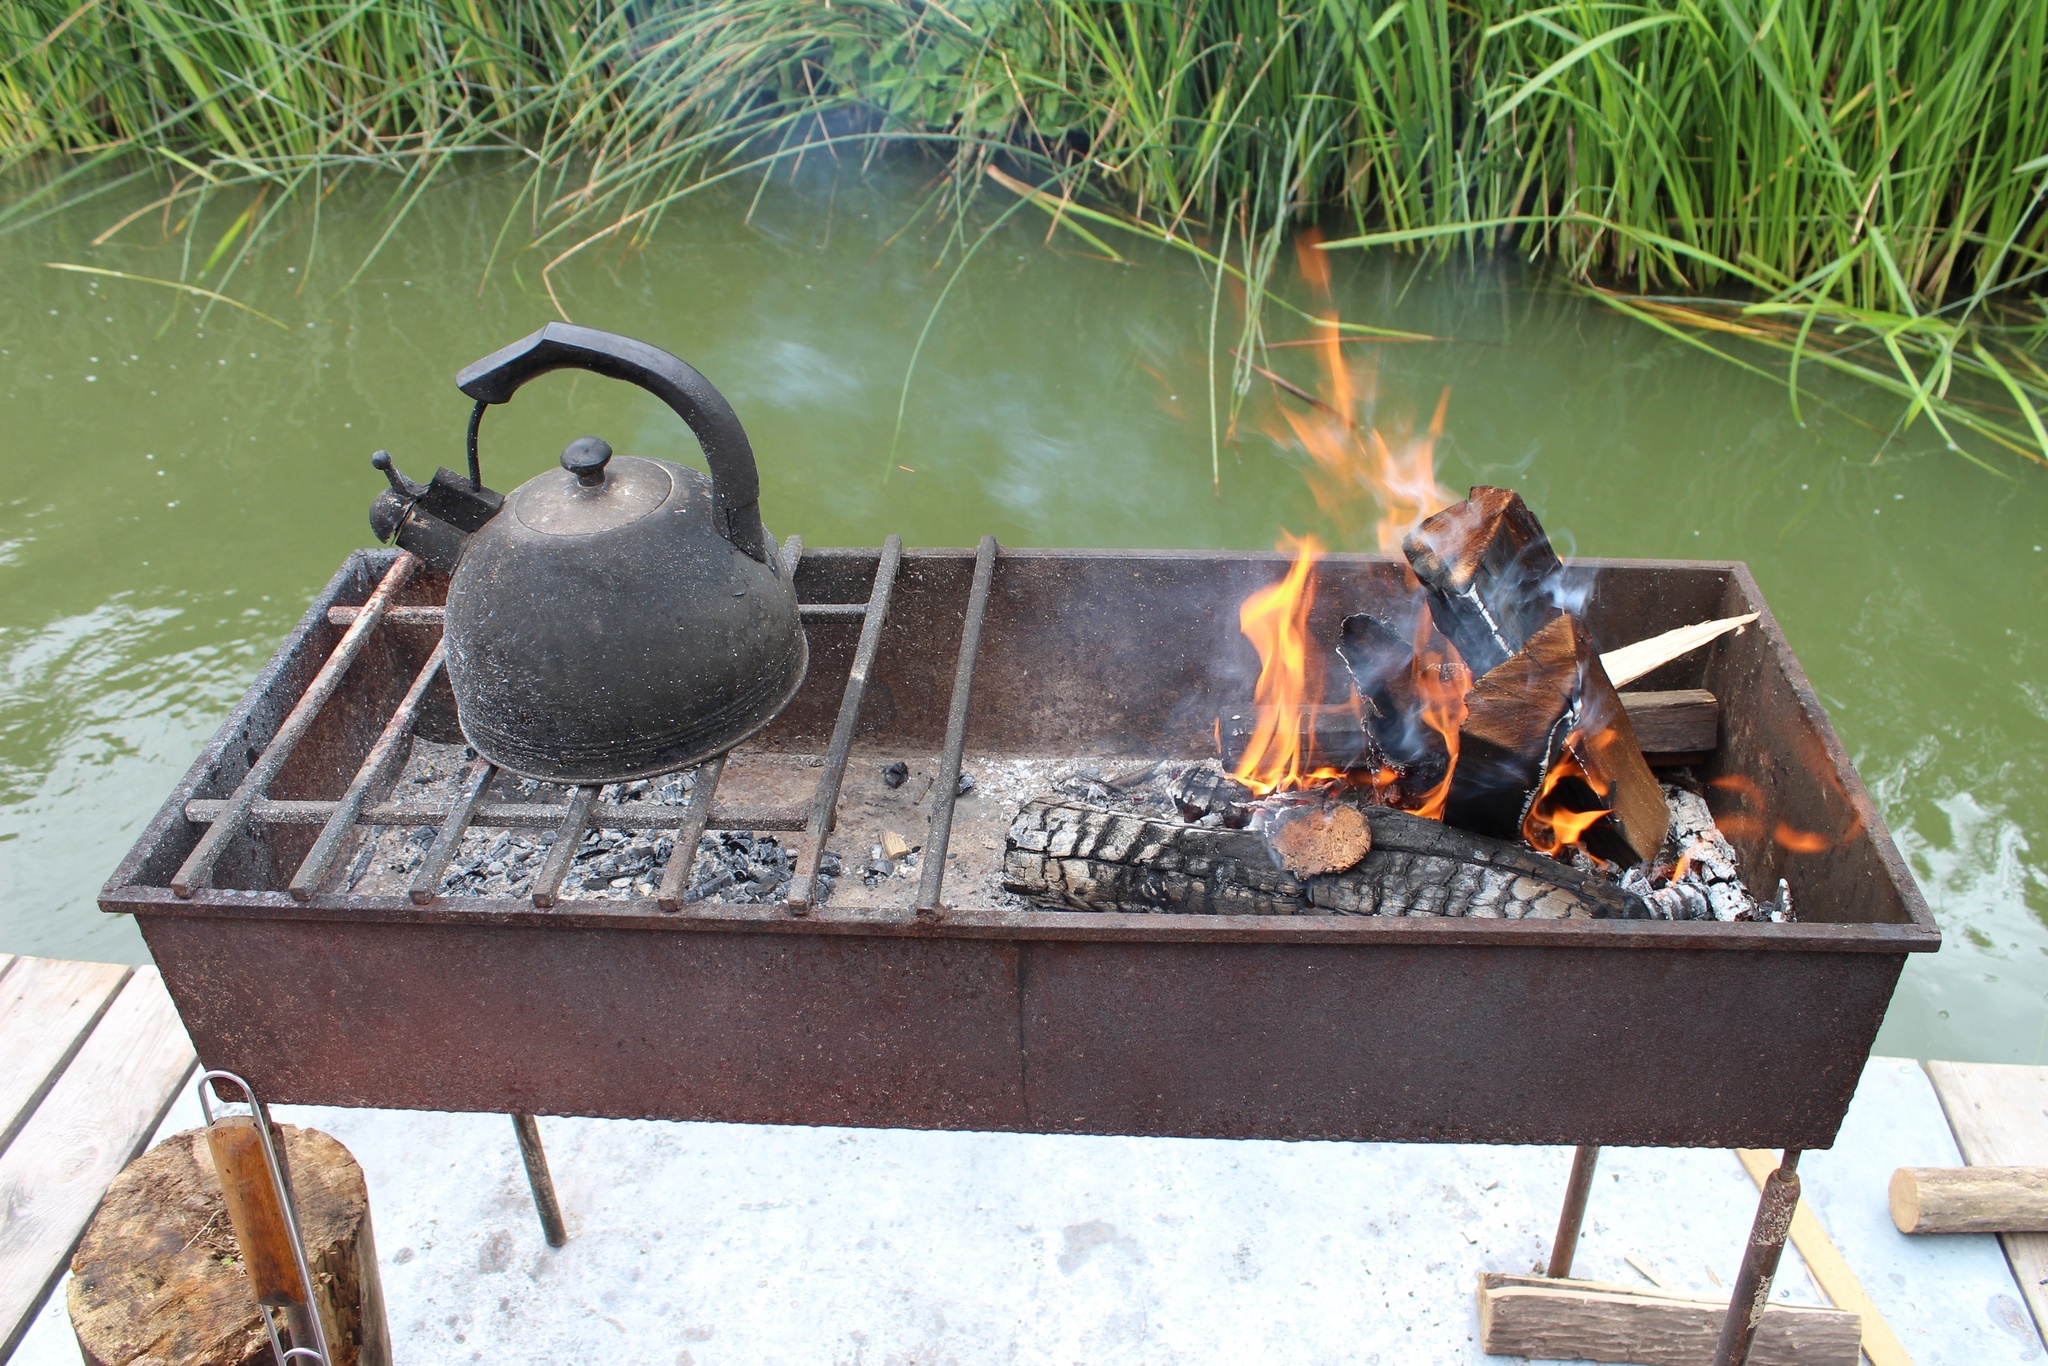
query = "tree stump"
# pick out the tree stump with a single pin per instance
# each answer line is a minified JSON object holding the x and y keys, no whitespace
{"x":158,"y":1279}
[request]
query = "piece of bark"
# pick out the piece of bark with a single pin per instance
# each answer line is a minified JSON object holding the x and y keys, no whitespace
{"x":1070,"y":854}
{"x":1522,"y":715}
{"x":158,"y":1275}
{"x":1970,"y":1199}
{"x":1204,"y":789}
{"x":1490,"y":573}
{"x":1534,"y":1316}
{"x":1312,"y":838}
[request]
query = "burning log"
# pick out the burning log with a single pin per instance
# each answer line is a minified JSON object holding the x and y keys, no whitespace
{"x":1547,"y":722}
{"x":1084,"y":857}
{"x":1492,"y":578}
{"x":1680,"y":726}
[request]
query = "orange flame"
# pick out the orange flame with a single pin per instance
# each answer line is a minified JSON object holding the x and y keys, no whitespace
{"x":1353,"y":457}
{"x":1551,"y":825}
{"x":1275,"y":620}
{"x":1441,"y":682}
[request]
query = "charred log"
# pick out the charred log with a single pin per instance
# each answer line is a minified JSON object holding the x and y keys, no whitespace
{"x":1678,"y":727}
{"x":1491,"y":576}
{"x":1083,"y":857}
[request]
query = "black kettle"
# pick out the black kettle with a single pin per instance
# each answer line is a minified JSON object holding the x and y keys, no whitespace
{"x":618,"y":617}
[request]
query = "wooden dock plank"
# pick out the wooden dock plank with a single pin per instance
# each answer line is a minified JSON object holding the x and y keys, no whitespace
{"x":92,"y":1123}
{"x":1999,"y":1113}
{"x":47,"y":1007}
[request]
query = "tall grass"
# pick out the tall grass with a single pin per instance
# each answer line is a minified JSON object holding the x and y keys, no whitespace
{"x":1855,"y":184}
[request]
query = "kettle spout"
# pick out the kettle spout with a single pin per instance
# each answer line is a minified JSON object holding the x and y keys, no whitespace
{"x":433,"y":520}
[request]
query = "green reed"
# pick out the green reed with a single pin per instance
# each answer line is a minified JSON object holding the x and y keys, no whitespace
{"x":1851,"y":184}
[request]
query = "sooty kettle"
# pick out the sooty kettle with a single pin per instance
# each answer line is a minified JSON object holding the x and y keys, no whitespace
{"x":617,"y":617}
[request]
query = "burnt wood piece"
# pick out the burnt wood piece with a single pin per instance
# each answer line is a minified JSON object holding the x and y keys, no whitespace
{"x":1082,"y":857}
{"x":1380,"y":657}
{"x":159,"y":1276}
{"x":1671,"y":727}
{"x":1490,"y":573}
{"x":1552,"y":699}
{"x":1204,"y":790}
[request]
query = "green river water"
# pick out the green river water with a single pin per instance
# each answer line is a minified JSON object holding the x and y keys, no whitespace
{"x":177,"y":487}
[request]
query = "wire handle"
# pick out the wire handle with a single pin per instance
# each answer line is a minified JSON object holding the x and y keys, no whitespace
{"x":249,"y":1219}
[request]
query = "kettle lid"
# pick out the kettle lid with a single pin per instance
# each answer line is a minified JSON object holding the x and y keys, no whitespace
{"x":592,"y":492}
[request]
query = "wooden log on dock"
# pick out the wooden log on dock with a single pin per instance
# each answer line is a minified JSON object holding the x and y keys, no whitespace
{"x":159,"y":1277}
{"x":1534,"y":1316}
{"x":1970,"y":1199}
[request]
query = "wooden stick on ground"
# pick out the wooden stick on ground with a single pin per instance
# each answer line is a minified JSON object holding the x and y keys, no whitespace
{"x":1535,"y":1316}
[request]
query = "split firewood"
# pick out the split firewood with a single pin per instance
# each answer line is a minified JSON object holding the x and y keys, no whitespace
{"x":1084,"y":857}
{"x":1312,"y":838}
{"x":1380,"y":657}
{"x":1491,"y":576}
{"x":1550,"y":702}
{"x":159,"y":1275}
{"x":1630,"y":662}
{"x":1970,"y":1199}
{"x":1534,"y":1316}
{"x":1680,"y":726}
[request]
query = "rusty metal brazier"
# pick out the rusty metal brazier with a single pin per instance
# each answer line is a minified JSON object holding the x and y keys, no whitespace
{"x":618,"y":617}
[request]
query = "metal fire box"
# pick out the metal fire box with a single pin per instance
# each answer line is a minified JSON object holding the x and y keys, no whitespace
{"x":959,"y":1011}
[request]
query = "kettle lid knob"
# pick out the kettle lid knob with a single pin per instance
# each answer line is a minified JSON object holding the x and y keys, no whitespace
{"x":585,"y":457}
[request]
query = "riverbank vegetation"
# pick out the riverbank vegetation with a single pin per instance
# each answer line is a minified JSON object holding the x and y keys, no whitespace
{"x":1850,"y":184}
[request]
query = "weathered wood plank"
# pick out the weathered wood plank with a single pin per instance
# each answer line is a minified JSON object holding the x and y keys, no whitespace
{"x":91,"y":1124}
{"x":47,"y":1007}
{"x":1999,"y":1113}
{"x":1533,"y":1316}
{"x":1830,"y":1270}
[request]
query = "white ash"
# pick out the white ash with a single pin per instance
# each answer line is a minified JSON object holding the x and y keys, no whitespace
{"x":1710,"y":886}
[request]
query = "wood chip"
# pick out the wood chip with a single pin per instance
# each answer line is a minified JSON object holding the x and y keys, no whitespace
{"x":894,"y":846}
{"x":1625,"y":665}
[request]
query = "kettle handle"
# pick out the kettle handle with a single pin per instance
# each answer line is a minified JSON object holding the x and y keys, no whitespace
{"x":735,"y":483}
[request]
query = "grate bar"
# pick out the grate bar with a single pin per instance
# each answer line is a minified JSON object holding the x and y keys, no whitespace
{"x":673,"y":893}
{"x":197,"y":869}
{"x":517,"y":815}
{"x":432,"y":616}
{"x":548,"y":882}
{"x":932,"y":869}
{"x":426,"y":879}
{"x":376,"y":769}
{"x":825,"y":806}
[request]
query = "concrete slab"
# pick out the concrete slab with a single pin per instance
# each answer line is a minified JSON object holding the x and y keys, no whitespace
{"x":694,"y":1244}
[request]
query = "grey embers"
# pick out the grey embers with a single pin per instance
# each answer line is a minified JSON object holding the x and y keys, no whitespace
{"x":1710,"y":886}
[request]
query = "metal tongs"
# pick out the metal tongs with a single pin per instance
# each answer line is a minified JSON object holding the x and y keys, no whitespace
{"x":249,"y":1156}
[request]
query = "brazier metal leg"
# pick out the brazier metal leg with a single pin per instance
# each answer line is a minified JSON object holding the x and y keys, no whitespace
{"x":1774,"y":1207}
{"x":536,"y":1158}
{"x":1566,"y":1245}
